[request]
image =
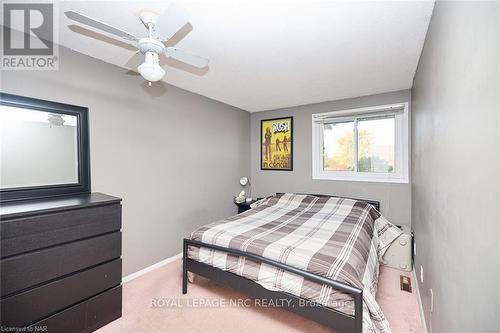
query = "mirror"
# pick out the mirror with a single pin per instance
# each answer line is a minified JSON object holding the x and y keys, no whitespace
{"x":43,"y":148}
{"x":37,"y":148}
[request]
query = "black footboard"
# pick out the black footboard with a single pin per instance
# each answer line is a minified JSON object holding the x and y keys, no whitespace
{"x":323,"y":315}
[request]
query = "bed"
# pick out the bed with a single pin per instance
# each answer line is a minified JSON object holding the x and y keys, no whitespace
{"x":315,"y":255}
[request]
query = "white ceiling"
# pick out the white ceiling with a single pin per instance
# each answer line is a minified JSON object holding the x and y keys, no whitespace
{"x":268,"y":54}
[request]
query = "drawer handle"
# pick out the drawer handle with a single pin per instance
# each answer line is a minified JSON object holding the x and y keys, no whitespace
{"x":403,"y":242}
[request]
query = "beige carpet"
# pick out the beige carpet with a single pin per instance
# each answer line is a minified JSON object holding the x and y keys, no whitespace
{"x":154,"y":303}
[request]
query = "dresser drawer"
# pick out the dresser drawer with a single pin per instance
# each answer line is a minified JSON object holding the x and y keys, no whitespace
{"x":34,"y":304}
{"x":104,"y":309}
{"x":87,"y":316}
{"x":27,"y":270}
{"x":21,"y":235}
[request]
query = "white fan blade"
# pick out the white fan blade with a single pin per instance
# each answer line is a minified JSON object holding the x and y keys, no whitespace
{"x":135,"y":61}
{"x":188,"y":58}
{"x":172,"y":20}
{"x":99,"y":25}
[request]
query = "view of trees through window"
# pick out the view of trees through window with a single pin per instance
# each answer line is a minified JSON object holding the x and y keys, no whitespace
{"x":375,"y":142}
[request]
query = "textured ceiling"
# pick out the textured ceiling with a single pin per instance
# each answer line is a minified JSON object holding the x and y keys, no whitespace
{"x":268,"y":54}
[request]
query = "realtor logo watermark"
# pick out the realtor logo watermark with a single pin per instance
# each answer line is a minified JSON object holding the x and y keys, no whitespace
{"x":29,"y":36}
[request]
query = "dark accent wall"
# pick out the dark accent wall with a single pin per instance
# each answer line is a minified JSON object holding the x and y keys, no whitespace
{"x":456,"y":167}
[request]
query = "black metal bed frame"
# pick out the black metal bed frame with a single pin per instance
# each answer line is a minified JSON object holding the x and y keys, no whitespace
{"x":313,"y":311}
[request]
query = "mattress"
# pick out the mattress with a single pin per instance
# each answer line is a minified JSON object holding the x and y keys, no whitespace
{"x":337,"y":238}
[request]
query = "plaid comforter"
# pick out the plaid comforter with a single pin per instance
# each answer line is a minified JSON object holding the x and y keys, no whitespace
{"x":338,"y":238}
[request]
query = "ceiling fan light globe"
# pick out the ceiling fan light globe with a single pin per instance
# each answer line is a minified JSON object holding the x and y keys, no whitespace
{"x":150,"y":69}
{"x":151,"y":73}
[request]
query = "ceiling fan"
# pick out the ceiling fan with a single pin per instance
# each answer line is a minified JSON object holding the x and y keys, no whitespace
{"x":160,"y":29}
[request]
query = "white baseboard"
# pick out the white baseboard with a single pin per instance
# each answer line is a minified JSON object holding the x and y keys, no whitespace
{"x":422,"y":317}
{"x":151,"y":268}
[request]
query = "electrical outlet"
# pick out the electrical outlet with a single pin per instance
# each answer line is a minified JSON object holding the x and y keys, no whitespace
{"x":432,"y":301}
{"x":421,"y":274}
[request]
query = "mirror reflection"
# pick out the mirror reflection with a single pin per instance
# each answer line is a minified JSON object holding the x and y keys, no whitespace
{"x":37,"y":148}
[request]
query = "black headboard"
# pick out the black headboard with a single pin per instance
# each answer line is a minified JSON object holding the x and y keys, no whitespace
{"x":374,"y":203}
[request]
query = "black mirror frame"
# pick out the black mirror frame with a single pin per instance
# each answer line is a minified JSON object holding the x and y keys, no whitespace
{"x":43,"y":191}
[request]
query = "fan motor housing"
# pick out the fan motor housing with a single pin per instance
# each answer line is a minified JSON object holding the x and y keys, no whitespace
{"x":151,"y":45}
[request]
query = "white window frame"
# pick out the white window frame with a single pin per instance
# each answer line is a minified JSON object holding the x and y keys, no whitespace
{"x":401,"y":156}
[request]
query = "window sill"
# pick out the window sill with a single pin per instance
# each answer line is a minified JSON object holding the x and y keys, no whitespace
{"x":361,"y":178}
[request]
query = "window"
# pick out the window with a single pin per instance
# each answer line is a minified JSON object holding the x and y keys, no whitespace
{"x":369,"y":144}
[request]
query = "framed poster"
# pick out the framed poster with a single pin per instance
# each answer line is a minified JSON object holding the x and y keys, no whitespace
{"x":276,"y":148}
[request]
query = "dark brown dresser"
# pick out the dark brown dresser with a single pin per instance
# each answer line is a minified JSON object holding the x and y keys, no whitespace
{"x":60,"y":263}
